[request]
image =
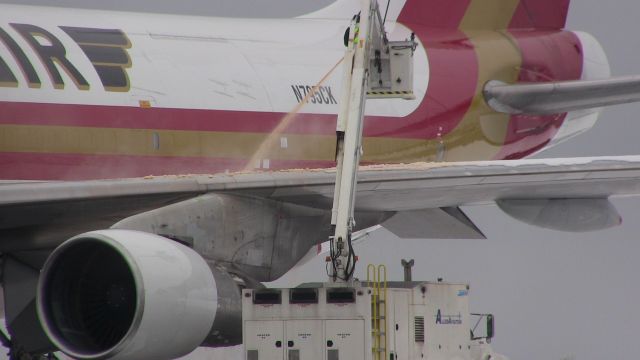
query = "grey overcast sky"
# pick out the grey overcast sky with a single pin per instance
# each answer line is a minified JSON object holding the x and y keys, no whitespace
{"x":554,"y":295}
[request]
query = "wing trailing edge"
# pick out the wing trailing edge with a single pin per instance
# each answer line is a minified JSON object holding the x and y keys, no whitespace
{"x":436,"y":223}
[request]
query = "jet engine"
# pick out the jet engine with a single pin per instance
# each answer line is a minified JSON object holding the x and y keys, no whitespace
{"x":569,"y":215}
{"x":131,"y":295}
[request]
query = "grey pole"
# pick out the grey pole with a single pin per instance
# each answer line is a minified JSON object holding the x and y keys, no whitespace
{"x":407,"y":269}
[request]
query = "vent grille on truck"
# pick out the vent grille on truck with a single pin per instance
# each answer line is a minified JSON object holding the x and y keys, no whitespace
{"x":418,"y":323}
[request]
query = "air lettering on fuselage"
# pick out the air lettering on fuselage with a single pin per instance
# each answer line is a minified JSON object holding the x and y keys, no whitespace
{"x":314,"y":94}
{"x":23,"y":61}
{"x":51,"y":55}
{"x":106,"y":49}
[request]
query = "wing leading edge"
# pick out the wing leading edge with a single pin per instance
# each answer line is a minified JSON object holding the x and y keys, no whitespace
{"x":380,"y":187}
{"x":393,"y":188}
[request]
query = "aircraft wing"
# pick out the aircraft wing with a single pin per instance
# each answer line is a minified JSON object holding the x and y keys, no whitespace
{"x":535,"y":191}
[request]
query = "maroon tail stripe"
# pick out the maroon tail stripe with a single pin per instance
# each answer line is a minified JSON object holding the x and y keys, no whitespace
{"x":541,"y":65}
{"x":541,"y":15}
{"x":434,"y":13}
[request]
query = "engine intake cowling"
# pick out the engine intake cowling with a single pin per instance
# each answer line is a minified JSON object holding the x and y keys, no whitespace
{"x":126,"y":294}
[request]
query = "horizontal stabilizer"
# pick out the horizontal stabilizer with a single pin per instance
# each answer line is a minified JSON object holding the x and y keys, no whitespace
{"x":561,"y":97}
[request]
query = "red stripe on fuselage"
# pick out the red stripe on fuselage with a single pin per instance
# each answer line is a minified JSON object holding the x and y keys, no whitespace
{"x":453,"y":80}
{"x":127,"y":117}
{"x":43,"y":166}
{"x":453,"y":63}
{"x":418,"y":125}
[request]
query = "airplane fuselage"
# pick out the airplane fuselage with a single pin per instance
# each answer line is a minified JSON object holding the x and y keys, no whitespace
{"x":88,"y":95}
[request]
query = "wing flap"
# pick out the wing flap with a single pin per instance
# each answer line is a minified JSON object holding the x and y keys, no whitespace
{"x":446,"y":223}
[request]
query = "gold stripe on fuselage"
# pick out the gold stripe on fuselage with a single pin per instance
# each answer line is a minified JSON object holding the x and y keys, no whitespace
{"x":481,"y":133}
{"x":235,"y":145}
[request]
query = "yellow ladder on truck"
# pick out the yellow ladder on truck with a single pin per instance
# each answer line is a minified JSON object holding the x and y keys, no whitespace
{"x":377,"y":280}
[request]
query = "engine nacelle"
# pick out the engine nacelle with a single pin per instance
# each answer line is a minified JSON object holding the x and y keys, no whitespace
{"x":569,"y":215}
{"x":128,"y":295}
